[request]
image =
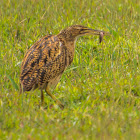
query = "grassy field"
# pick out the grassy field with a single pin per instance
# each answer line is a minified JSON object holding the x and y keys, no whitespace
{"x":100,"y":90}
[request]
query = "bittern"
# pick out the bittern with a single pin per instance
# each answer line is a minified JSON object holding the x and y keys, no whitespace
{"x":48,"y":58}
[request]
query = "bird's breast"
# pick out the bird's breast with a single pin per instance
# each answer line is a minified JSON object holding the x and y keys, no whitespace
{"x":70,"y":52}
{"x":53,"y":82}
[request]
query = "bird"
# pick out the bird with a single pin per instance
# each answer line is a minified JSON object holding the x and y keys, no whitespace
{"x":47,"y":59}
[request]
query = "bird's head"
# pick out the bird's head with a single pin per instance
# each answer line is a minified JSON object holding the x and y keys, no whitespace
{"x":72,"y":32}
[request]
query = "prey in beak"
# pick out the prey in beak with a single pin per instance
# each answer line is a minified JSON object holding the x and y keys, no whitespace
{"x":89,"y":31}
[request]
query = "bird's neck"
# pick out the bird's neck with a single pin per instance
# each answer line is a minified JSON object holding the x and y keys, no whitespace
{"x":67,"y":36}
{"x":70,"y":45}
{"x":68,"y":40}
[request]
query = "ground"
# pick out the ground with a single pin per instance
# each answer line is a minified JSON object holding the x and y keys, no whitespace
{"x":100,"y":90}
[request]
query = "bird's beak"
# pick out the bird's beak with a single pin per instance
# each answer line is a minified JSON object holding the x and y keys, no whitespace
{"x":89,"y":31}
{"x":95,"y":32}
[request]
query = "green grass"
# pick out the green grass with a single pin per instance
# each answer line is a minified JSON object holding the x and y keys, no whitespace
{"x":100,"y":90}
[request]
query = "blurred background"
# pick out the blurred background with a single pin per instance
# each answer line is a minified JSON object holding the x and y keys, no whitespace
{"x":101,"y":88}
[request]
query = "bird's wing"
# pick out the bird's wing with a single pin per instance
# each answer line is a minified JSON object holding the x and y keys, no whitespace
{"x":45,"y":60}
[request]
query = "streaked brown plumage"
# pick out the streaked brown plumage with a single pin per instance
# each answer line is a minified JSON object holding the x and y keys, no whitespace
{"x":48,"y":58}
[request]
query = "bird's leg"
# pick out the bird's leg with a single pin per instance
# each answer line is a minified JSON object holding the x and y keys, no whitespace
{"x":21,"y":89}
{"x":53,"y":97}
{"x":42,"y":97}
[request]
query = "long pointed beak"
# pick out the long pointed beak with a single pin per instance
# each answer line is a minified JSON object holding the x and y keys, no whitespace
{"x":96,"y":32}
{"x":101,"y":34}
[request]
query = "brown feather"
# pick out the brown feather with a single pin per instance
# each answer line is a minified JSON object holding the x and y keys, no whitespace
{"x":47,"y":59}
